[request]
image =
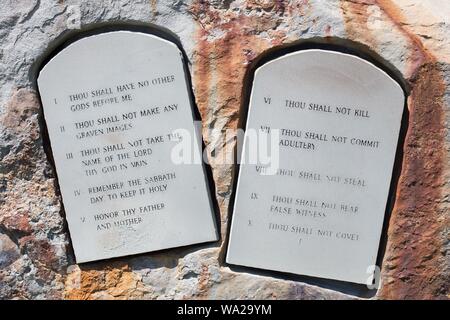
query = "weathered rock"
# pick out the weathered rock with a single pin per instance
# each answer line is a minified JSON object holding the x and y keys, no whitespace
{"x":9,"y":252}
{"x":223,"y":40}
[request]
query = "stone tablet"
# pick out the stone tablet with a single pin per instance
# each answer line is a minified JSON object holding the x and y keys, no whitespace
{"x":336,"y":119}
{"x":113,"y":103}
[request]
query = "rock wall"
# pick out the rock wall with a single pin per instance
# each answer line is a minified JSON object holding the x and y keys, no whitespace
{"x":223,"y":40}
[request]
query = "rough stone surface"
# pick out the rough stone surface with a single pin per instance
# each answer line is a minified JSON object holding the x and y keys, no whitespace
{"x":223,"y":40}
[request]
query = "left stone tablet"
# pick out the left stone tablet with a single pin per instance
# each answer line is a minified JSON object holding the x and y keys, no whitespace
{"x":116,"y":106}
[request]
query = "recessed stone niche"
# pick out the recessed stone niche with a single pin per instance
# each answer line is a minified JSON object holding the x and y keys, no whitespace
{"x":314,"y":203}
{"x":116,"y":104}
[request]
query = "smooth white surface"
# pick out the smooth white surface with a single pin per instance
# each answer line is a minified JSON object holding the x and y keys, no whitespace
{"x":110,"y":60}
{"x":337,"y":80}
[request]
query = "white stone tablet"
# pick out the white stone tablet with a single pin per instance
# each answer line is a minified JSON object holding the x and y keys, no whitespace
{"x":319,"y":210}
{"x":113,"y":103}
